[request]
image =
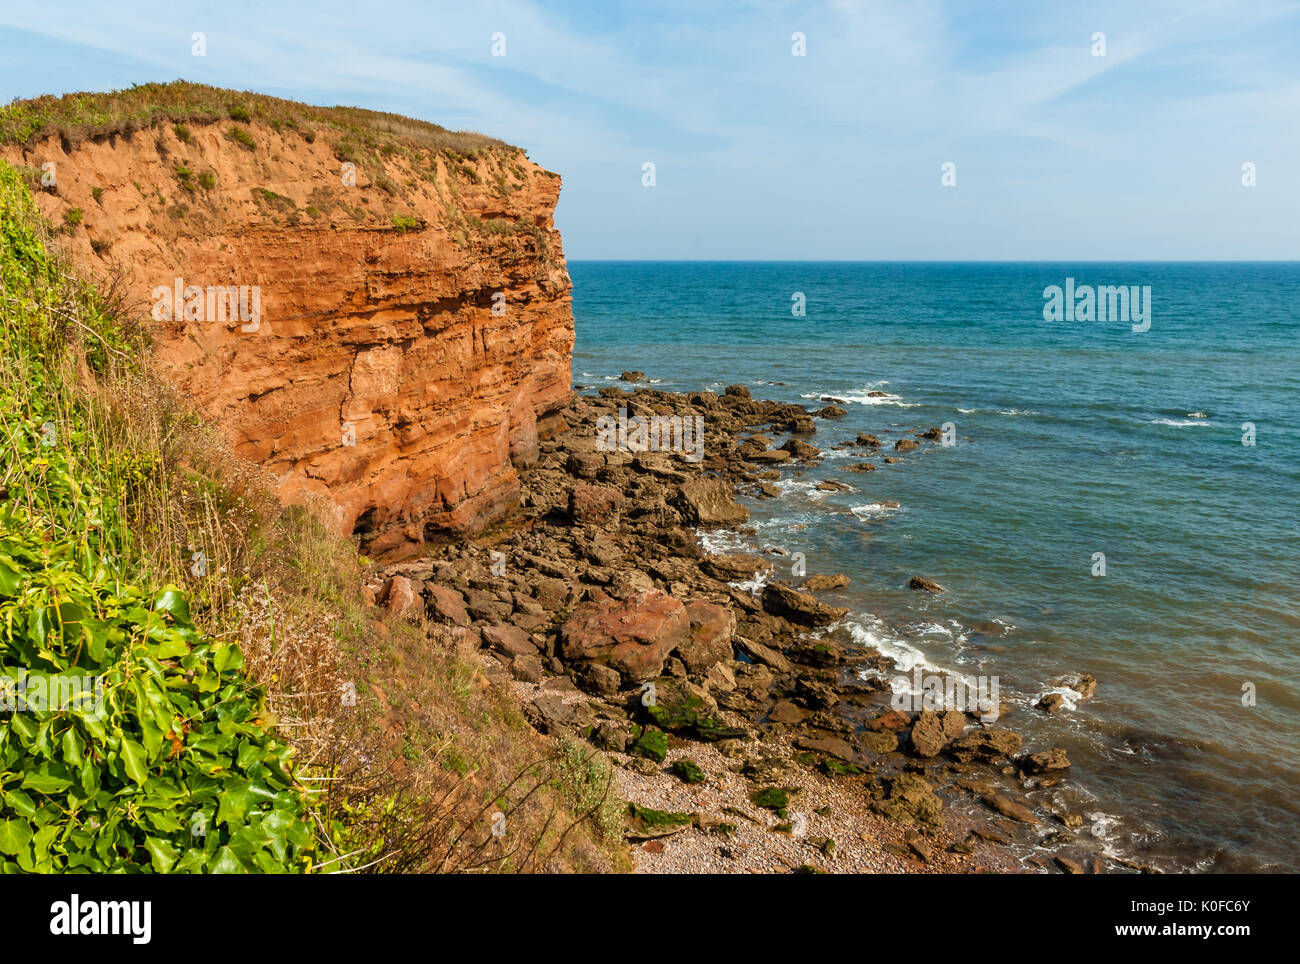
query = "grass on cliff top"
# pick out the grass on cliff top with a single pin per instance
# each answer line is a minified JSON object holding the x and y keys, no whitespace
{"x":228,"y":632}
{"x":81,"y":116}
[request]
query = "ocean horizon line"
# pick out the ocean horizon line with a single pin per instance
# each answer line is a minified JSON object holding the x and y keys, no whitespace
{"x":1170,"y":261}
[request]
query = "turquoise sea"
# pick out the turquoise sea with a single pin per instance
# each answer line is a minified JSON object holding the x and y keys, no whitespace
{"x":1072,"y":438}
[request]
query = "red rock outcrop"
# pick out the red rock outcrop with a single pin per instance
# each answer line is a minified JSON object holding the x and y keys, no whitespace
{"x":414,"y":326}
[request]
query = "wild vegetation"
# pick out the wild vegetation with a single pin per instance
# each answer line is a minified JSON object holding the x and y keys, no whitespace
{"x":79,"y":116}
{"x":257,"y":713}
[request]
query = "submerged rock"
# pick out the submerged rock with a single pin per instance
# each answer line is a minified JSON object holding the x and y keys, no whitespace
{"x":921,"y":584}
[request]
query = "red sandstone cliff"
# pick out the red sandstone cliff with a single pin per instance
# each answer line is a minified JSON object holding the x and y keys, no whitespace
{"x":424,"y":310}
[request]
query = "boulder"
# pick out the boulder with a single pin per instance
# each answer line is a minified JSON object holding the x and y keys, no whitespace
{"x":734,"y":568}
{"x":801,"y":450}
{"x":682,"y":707}
{"x":921,"y":584}
{"x":487,"y":605}
{"x":609,"y":735}
{"x":445,"y":604}
{"x":815,"y":694}
{"x":585,"y":465}
{"x":764,"y":654}
{"x":933,"y":731}
{"x":786,"y":712}
{"x":594,"y":504}
{"x":1009,"y":808}
{"x":892,"y":720}
{"x":879,"y":741}
{"x":1085,"y":684}
{"x":910,"y":799}
{"x":633,"y":636}
{"x":1045,"y":762}
{"x":799,"y":607}
{"x":600,"y":680}
{"x":527,"y":668}
{"x":985,"y":745}
{"x":720,"y":678}
{"x":906,"y":445}
{"x":510,"y":640}
{"x":820,"y":583}
{"x":709,"y":502}
{"x":552,"y":594}
{"x":1051,"y":703}
{"x":709,"y":641}
{"x":828,"y":745}
{"x":551,"y":713}
{"x":399,"y":597}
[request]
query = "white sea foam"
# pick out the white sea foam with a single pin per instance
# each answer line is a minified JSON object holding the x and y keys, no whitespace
{"x":756,"y":584}
{"x":1180,"y":422}
{"x":875,"y":510}
{"x":862,"y":397}
{"x":870,"y":631}
{"x":930,"y":629}
{"x":803,"y":487}
{"x":1069,"y":697}
{"x":719,"y":542}
{"x":1018,"y":412}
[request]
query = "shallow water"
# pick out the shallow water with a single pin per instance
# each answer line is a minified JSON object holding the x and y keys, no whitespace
{"x":1072,"y":438}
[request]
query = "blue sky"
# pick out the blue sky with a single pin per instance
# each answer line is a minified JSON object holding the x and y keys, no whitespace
{"x":1059,"y":154}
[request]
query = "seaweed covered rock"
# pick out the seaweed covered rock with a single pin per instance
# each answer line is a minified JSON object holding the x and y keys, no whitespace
{"x":909,"y":798}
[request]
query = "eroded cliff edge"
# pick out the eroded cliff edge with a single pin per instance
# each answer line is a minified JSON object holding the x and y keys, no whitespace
{"x":414,"y":320}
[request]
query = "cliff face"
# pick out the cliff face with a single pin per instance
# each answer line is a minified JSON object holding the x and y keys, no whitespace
{"x":403,"y":334}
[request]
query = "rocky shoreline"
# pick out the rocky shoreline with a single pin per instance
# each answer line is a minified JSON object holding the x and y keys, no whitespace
{"x":749,"y":735}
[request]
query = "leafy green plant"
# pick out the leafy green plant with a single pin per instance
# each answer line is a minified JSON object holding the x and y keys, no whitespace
{"x":162,"y":757}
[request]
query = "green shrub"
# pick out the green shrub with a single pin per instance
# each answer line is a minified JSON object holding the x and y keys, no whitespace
{"x":242,"y":138}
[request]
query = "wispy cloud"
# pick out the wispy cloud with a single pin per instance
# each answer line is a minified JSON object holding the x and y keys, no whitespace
{"x":765,"y":154}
